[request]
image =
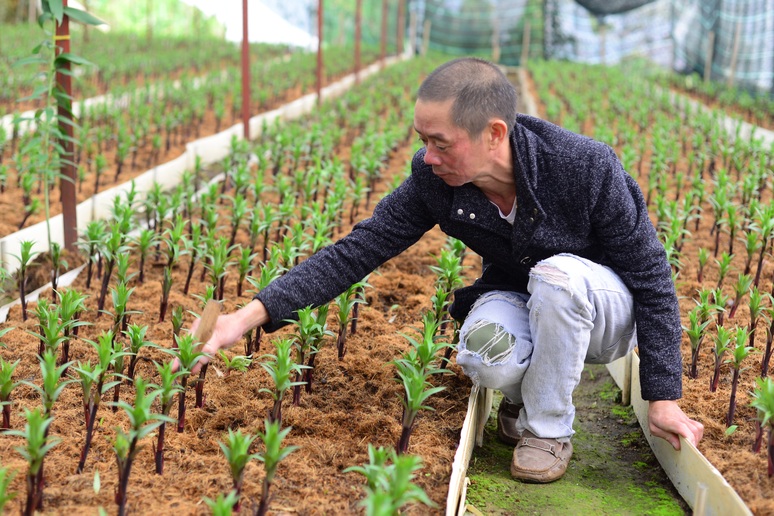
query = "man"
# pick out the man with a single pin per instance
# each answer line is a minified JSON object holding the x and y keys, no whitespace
{"x":572,"y":269}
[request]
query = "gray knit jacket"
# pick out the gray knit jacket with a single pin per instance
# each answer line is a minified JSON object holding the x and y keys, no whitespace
{"x":573,"y":196}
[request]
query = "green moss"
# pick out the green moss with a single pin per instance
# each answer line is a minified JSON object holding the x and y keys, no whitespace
{"x":610,"y":472}
{"x":631,"y":439}
{"x":610,"y":391}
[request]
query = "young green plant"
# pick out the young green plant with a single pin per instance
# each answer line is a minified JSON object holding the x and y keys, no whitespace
{"x":281,"y":368}
{"x":237,"y":452}
{"x":273,"y":454}
{"x":740,"y":352}
{"x":389,"y":487}
{"x":167,"y":390}
{"x":142,"y":422}
{"x":38,"y":444}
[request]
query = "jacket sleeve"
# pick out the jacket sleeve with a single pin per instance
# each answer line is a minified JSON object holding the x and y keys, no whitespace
{"x":620,"y":217}
{"x":398,"y":221}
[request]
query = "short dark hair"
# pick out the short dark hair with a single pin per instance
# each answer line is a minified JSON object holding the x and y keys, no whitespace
{"x":480,"y":90}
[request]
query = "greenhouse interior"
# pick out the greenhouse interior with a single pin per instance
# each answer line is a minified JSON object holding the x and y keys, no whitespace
{"x":314,"y":257}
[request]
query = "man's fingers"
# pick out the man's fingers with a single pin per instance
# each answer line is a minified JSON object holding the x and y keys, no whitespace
{"x":210,"y":349}
{"x":670,"y":437}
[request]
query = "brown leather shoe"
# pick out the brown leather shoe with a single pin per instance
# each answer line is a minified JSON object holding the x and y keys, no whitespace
{"x":540,"y":460}
{"x":507,"y":415}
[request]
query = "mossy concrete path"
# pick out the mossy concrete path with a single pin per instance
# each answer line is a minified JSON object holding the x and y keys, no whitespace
{"x":612,"y":471}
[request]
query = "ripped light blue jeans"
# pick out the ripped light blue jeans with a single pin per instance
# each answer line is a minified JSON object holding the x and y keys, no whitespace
{"x":576,"y":312}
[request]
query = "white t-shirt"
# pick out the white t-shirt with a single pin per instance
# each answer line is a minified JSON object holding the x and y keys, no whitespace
{"x":511,"y":216}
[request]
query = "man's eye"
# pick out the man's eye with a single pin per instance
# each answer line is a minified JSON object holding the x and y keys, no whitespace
{"x":441,"y":149}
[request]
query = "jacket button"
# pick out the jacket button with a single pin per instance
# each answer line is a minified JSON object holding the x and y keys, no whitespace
{"x":525,"y":260}
{"x":531,"y":220}
{"x":460,"y":212}
{"x":472,"y":215}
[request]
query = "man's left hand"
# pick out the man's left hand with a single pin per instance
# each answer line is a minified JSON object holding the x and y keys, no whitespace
{"x":667,"y":420}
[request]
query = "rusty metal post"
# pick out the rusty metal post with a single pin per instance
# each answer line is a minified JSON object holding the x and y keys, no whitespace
{"x":358,"y":37}
{"x":67,"y":169}
{"x":319,"y":50}
{"x":245,"y":74}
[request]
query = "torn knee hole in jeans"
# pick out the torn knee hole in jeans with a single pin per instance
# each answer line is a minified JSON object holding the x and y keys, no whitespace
{"x":490,"y":341}
{"x":551,"y":275}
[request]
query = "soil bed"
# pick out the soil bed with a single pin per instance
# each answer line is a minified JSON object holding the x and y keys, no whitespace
{"x":355,"y":401}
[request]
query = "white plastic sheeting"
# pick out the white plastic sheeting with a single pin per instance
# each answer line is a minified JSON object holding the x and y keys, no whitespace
{"x":264,"y":24}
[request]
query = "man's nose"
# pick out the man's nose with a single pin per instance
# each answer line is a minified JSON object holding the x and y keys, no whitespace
{"x":430,"y":158}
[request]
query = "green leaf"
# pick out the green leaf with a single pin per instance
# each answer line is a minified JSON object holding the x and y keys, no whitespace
{"x":731,"y":429}
{"x":72,"y":58}
{"x":34,"y":59}
{"x":97,"y":483}
{"x":83,"y":16}
{"x":56,"y":8}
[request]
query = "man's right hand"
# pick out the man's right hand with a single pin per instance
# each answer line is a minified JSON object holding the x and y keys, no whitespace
{"x":229,"y":329}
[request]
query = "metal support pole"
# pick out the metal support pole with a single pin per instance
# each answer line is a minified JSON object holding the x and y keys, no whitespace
{"x":67,"y":169}
{"x":245,"y":74}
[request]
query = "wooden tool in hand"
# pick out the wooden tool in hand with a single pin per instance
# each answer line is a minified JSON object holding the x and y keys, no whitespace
{"x":207,"y":321}
{"x":203,"y":333}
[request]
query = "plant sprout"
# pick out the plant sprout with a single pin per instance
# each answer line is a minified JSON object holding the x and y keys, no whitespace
{"x":6,"y":477}
{"x":187,"y":355}
{"x":222,"y":505}
{"x":142,"y":421}
{"x":696,"y":332}
{"x":167,"y":390}
{"x":145,"y":241}
{"x":274,"y":453}
{"x":26,"y":254}
{"x":416,"y":391}
{"x":136,"y":335}
{"x":742,"y":286}
{"x":237,"y":452}
{"x":763,"y":401}
{"x":93,"y":237}
{"x":280,"y":368}
{"x":94,"y":377}
{"x":740,"y":352}
{"x":38,"y":445}
{"x":238,"y":363}
{"x":388,"y":486}
{"x":346,"y":303}
{"x":71,"y":304}
{"x":722,"y":340}
{"x":7,"y":385}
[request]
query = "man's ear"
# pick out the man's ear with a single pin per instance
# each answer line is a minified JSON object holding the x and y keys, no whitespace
{"x":498,"y":132}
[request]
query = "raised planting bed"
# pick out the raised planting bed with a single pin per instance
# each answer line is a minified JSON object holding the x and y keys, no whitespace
{"x":355,"y":401}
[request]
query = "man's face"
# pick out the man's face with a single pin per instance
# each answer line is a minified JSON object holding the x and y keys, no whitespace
{"x":454,"y":155}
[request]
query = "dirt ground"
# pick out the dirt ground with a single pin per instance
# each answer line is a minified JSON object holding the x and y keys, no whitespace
{"x":355,"y":402}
